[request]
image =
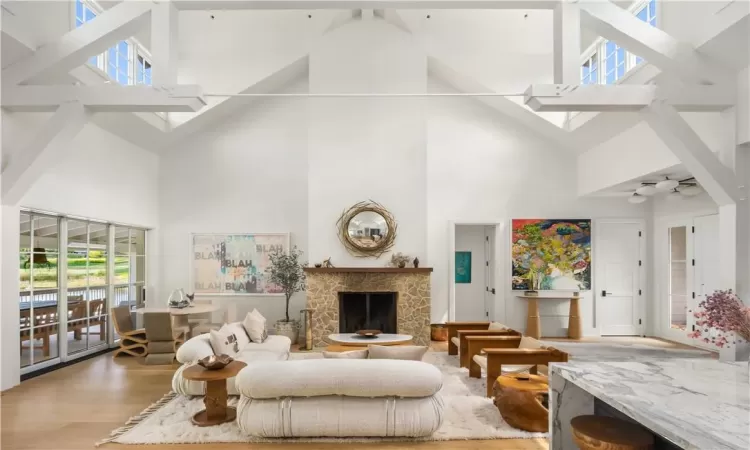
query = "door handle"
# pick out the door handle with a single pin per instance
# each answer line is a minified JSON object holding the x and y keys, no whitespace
{"x":605,"y":293}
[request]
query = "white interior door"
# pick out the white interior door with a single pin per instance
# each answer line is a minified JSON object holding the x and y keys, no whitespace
{"x":677,"y":281}
{"x":617,"y":266}
{"x":489,"y":277}
{"x":471,"y":302}
{"x":707,"y":267}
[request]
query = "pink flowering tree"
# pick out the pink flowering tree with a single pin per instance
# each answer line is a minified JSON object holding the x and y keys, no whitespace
{"x":724,"y":312}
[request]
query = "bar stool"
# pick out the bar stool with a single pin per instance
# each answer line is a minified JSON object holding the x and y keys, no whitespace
{"x":608,"y":433}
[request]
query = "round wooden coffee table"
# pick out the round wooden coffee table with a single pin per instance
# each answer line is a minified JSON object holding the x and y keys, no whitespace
{"x":217,"y":411}
{"x":522,"y":402}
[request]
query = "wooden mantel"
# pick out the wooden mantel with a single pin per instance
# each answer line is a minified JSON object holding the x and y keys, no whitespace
{"x":367,"y":270}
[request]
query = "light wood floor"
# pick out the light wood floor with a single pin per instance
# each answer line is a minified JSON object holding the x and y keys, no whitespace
{"x":72,"y":408}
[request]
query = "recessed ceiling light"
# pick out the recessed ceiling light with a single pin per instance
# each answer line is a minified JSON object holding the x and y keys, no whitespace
{"x":646,"y":189}
{"x":636,"y":198}
{"x":691,"y":190}
{"x":667,"y":185}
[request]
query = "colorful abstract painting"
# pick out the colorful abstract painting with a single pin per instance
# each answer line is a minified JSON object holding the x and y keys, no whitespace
{"x":463,"y":267}
{"x":234,"y":263}
{"x":551,"y":254}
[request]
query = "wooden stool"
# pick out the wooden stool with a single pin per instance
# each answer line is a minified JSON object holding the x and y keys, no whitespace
{"x":608,"y":433}
{"x":521,"y":400}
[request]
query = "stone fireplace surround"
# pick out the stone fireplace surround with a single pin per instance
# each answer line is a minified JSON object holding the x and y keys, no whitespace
{"x":413,"y":299}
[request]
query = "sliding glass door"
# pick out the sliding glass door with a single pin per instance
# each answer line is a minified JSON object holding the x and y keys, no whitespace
{"x":66,"y":296}
{"x":87,"y":285}
{"x":39,"y":289}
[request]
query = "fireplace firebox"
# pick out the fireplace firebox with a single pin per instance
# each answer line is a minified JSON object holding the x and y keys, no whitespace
{"x":367,"y":311}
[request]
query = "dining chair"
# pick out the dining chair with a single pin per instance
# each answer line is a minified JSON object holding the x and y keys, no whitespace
{"x":229,"y":315}
{"x":163,"y":341}
{"x":132,"y":341}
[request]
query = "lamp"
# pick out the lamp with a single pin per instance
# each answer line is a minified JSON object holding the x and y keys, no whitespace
{"x":646,"y":189}
{"x":667,"y":184}
{"x":636,"y":198}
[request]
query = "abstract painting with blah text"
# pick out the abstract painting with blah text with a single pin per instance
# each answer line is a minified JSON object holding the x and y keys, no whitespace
{"x":551,"y":254}
{"x":234,"y":264}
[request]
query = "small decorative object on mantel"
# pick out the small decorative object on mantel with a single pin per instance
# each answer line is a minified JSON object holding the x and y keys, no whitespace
{"x":327,"y":263}
{"x":416,"y":263}
{"x":399,"y":260}
{"x":723,"y":320}
{"x":286,"y":271}
{"x":318,"y":265}
{"x":215,"y":362}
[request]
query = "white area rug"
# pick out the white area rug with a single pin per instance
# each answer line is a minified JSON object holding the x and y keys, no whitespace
{"x":468,"y":415}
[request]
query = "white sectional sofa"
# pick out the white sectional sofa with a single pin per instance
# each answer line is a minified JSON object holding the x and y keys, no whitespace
{"x":340,"y":398}
{"x":274,"y":348}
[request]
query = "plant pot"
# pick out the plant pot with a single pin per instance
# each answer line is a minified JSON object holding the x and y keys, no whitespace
{"x":289,"y":329}
{"x":438,"y":332}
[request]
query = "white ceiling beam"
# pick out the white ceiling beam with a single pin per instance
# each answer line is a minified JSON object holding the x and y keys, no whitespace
{"x":566,"y":26}
{"x":717,"y":179}
{"x":363,"y":4}
{"x":103,"y":98}
{"x":652,"y":44}
{"x":627,"y":98}
{"x":208,"y":116}
{"x":164,"y":42}
{"x":48,"y":145}
{"x":518,"y":113}
{"x":76,"y":46}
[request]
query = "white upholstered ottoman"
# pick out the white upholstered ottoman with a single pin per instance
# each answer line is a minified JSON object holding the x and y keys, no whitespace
{"x":340,"y":398}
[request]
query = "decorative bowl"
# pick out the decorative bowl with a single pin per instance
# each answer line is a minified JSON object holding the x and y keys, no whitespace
{"x":368,"y":333}
{"x":214,"y":362}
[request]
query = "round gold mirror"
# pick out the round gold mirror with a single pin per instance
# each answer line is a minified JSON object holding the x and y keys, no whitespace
{"x":367,"y":229}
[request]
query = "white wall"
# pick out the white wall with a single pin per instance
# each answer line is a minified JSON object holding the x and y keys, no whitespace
{"x":481,"y":167}
{"x":470,"y":296}
{"x":246,"y":174}
{"x":102,"y":177}
{"x":367,"y":148}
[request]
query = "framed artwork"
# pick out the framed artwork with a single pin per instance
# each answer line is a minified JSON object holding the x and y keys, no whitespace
{"x":551,"y":254}
{"x":234,"y":263}
{"x":463,"y":267}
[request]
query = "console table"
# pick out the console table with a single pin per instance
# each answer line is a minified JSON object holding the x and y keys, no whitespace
{"x":534,"y":325}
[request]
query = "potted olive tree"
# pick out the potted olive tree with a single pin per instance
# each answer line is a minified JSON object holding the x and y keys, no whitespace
{"x":286,"y":272}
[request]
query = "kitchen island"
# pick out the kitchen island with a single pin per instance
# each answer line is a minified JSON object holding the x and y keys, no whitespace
{"x":697,"y":404}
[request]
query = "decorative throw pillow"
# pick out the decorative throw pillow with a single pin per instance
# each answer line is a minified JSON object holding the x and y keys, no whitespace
{"x":228,"y":340}
{"x":255,"y":326}
{"x":497,"y":326}
{"x":353,"y":354}
{"x":409,"y":352}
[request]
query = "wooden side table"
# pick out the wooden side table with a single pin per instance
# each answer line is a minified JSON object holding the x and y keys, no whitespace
{"x":533,"y":322}
{"x":521,"y":401}
{"x":217,"y":411}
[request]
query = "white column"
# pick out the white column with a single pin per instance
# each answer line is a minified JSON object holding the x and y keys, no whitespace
{"x":567,"y":43}
{"x":164,"y":41}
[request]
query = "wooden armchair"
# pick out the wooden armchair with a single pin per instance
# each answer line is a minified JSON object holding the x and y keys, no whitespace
{"x":458,"y":330}
{"x":508,"y":354}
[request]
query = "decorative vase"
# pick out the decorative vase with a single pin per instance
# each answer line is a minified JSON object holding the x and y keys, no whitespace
{"x":289,"y":329}
{"x":416,"y":263}
{"x":438,"y":332}
{"x":401,"y":264}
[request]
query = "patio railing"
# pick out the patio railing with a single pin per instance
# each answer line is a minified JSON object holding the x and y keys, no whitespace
{"x":122,"y":295}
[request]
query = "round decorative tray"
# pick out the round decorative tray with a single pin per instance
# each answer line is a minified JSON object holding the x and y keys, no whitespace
{"x":368,"y":333}
{"x":215,"y":362}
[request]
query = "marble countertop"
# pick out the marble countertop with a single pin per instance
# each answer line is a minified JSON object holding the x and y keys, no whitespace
{"x":700,"y":404}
